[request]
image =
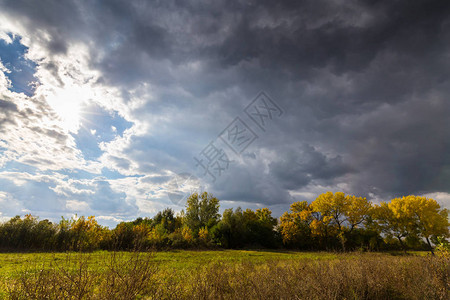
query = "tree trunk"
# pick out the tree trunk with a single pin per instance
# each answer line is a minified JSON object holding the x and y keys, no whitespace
{"x":342,"y":239}
{"x":343,"y":244}
{"x":401,"y":243}
{"x":429,"y":244}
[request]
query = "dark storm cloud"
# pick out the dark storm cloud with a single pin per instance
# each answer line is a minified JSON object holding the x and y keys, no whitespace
{"x":365,"y":85}
{"x":247,"y":183}
{"x":404,"y":148}
{"x":296,"y":169}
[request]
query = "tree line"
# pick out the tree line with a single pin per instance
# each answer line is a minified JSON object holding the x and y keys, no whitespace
{"x":333,"y":221}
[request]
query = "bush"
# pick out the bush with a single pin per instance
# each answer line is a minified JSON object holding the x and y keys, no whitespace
{"x":122,"y":276}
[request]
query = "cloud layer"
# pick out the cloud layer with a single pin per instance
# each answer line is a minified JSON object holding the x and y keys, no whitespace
{"x":129,"y":92}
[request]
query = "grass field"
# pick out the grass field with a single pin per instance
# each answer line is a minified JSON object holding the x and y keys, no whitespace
{"x":228,"y":274}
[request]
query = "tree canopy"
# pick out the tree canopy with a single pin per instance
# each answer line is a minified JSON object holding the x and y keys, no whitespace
{"x":331,"y":221}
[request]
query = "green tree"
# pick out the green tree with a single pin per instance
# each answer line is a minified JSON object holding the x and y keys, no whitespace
{"x":201,"y":211}
{"x":167,"y":220}
{"x":123,"y":237}
{"x":260,"y":227}
{"x":231,"y":230}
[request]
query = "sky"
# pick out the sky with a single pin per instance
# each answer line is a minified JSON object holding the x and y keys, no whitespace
{"x":120,"y":109}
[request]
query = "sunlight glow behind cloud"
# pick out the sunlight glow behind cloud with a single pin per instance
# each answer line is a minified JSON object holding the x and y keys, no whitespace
{"x":123,"y":95}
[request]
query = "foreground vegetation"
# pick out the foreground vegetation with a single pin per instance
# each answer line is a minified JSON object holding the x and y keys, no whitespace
{"x":230,"y":274}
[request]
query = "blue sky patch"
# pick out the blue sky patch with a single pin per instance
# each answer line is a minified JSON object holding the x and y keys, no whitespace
{"x":15,"y":166}
{"x":98,"y":125}
{"x":21,"y":70}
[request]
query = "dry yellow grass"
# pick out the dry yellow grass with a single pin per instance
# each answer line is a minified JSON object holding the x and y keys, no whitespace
{"x":140,"y":276}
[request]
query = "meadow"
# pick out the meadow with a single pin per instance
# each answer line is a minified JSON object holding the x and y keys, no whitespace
{"x":224,"y":274}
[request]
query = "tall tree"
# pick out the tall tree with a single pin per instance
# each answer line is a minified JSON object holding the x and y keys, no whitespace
{"x":295,"y":225}
{"x":395,"y":219}
{"x":232,"y":230}
{"x":260,"y":227}
{"x":167,"y":220}
{"x":431,"y":220}
{"x":201,"y":211}
{"x":415,"y":215}
{"x":339,"y":213}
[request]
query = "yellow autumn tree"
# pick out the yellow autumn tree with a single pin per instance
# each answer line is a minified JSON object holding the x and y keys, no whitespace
{"x":87,"y":234}
{"x":430,"y":219}
{"x":338,"y":214}
{"x":158,"y":236}
{"x":141,"y":234}
{"x":393,"y":220}
{"x":357,"y":211}
{"x":412,"y":216}
{"x":203,"y":236}
{"x":295,"y":225}
{"x":187,"y":234}
{"x":331,"y":207}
